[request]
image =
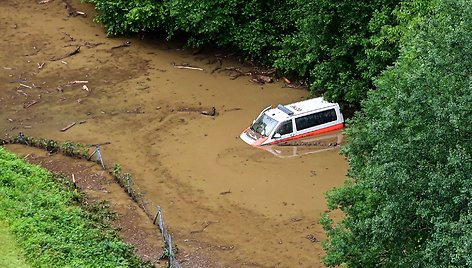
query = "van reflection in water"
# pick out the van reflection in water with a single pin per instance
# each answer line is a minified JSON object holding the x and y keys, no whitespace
{"x":304,"y":146}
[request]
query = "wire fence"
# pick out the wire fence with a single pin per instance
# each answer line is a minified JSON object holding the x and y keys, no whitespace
{"x":125,"y":180}
{"x":167,"y":239}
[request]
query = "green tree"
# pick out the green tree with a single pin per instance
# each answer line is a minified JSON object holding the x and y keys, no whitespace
{"x":340,"y":46}
{"x":408,"y":202}
{"x":254,"y":28}
{"x":130,"y":16}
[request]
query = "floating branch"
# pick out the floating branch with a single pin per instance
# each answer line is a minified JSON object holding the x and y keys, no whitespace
{"x":30,"y":104}
{"x":186,"y":66}
{"x":125,"y":44}
{"x":75,"y":51}
{"x":67,"y":127}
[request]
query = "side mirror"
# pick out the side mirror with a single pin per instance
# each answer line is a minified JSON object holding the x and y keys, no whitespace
{"x":277,"y":136}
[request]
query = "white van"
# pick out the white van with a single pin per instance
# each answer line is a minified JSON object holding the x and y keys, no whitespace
{"x":293,"y":121}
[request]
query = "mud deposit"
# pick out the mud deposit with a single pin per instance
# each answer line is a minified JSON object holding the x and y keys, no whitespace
{"x":224,"y":202}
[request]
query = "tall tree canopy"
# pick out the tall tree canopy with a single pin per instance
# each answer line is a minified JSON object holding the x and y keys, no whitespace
{"x":340,"y":46}
{"x":409,"y":200}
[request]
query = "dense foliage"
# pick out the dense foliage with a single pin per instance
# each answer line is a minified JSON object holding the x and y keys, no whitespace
{"x":337,"y":47}
{"x":409,"y":200}
{"x":340,"y":46}
{"x":50,"y":226}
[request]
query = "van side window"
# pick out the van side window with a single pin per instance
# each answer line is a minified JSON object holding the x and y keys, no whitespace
{"x":312,"y":120}
{"x":285,"y":128}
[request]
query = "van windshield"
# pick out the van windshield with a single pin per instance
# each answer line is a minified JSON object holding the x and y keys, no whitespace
{"x":264,"y":125}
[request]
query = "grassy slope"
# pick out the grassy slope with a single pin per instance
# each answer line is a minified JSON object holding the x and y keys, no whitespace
{"x":11,"y":256}
{"x":50,"y":226}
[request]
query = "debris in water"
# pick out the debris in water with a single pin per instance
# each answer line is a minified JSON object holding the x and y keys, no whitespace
{"x":226,"y":192}
{"x":312,"y":238}
{"x":68,"y":126}
{"x":125,"y":44}
{"x":75,"y":51}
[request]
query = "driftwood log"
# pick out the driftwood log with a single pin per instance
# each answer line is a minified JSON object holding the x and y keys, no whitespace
{"x":186,"y":66}
{"x":30,"y":104}
{"x":98,"y":144}
{"x":68,"y":126}
{"x":125,"y":44}
{"x":92,"y":45}
{"x":75,"y":51}
{"x":212,"y":112}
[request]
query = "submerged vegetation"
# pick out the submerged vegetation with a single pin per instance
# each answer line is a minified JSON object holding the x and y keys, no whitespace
{"x":51,"y":226}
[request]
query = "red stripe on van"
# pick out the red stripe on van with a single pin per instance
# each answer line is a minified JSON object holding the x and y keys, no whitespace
{"x":259,"y":141}
{"x":311,"y":133}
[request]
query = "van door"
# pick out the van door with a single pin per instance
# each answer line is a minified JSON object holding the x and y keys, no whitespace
{"x":283,"y":131}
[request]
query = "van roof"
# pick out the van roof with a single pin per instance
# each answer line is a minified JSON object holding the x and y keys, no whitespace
{"x":283,"y":112}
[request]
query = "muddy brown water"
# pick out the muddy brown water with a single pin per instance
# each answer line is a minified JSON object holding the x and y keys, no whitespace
{"x":222,"y":199}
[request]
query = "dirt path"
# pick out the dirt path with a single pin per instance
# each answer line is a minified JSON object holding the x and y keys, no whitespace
{"x":225,"y":202}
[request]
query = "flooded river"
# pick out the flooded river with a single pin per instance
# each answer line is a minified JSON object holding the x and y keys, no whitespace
{"x":222,"y":199}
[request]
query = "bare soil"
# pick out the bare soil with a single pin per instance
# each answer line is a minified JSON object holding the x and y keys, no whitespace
{"x":227,"y":204}
{"x":133,"y":225}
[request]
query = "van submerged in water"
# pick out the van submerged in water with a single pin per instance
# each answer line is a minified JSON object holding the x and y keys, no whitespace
{"x":293,"y":121}
{"x":308,"y":145}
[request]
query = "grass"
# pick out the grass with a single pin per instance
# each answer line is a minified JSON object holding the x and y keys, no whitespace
{"x":11,"y":255}
{"x":52,"y":226}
